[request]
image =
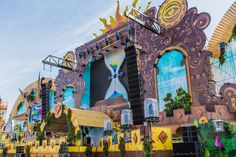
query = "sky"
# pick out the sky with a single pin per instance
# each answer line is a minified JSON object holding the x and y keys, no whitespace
{"x":32,"y":29}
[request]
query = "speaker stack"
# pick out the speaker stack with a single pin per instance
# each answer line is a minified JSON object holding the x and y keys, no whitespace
{"x":190,"y":147}
{"x":135,"y":97}
{"x":45,"y":91}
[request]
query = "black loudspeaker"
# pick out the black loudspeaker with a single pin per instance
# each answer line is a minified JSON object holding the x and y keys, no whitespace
{"x":87,"y":141}
{"x":188,"y":149}
{"x":135,"y":96}
{"x":45,"y":91}
{"x":189,"y":133}
{"x":63,"y":149}
{"x":20,"y":149}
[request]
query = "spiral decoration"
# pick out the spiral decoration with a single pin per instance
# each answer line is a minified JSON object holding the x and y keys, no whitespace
{"x":171,"y":12}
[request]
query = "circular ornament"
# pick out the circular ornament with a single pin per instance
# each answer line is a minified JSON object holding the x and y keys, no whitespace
{"x":171,"y":12}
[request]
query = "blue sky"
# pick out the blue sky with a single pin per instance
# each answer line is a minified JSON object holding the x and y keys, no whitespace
{"x":32,"y":29}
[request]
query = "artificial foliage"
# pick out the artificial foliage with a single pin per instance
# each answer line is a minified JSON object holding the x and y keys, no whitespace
{"x":182,"y":100}
{"x":222,"y":53}
{"x":121,"y":147}
{"x":88,"y":150}
{"x":71,"y":130}
{"x":147,"y":147}
{"x":50,"y":117}
{"x":39,"y":133}
{"x":105,"y":147}
{"x":233,"y":36}
{"x":228,"y":139}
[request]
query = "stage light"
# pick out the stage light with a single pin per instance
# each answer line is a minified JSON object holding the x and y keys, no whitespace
{"x":97,"y":46}
{"x":117,"y":35}
{"x":106,"y":41}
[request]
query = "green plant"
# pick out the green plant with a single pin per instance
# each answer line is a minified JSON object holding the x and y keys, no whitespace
{"x":4,"y":152}
{"x":228,"y":139}
{"x":233,"y":36}
{"x":39,"y":133}
{"x":88,"y":150}
{"x":182,"y":100}
{"x":121,"y":147}
{"x":169,"y":104}
{"x":71,"y":130}
{"x":50,"y":117}
{"x":147,"y":147}
{"x":27,"y":151}
{"x":105,"y":147}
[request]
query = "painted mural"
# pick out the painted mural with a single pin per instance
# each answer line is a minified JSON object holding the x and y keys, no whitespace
{"x":35,"y":113}
{"x":113,"y":62}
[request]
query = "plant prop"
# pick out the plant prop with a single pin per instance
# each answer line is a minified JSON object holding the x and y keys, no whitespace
{"x":233,"y":36}
{"x":88,"y":150}
{"x":105,"y":147}
{"x":49,"y":118}
{"x":71,"y":129}
{"x":169,"y":106}
{"x":222,"y":53}
{"x":147,"y":147}
{"x":182,"y":100}
{"x":227,"y":139}
{"x":39,"y":133}
{"x":121,"y":147}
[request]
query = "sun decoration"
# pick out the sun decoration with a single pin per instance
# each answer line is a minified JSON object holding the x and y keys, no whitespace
{"x":171,"y":12}
{"x":119,"y":18}
{"x":203,"y":120}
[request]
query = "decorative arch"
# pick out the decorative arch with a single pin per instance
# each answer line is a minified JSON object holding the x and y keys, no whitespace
{"x":176,"y":59}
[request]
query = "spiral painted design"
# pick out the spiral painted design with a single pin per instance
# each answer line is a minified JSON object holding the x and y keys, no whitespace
{"x":171,"y":12}
{"x":202,"y":21}
{"x":228,"y":91}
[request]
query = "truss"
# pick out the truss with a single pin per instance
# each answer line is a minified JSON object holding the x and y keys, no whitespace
{"x":60,"y":63}
{"x":143,"y":20}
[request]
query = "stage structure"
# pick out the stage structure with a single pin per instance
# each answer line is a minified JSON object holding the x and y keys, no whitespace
{"x":148,"y":80}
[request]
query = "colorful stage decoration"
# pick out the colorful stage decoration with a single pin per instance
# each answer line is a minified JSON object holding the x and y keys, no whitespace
{"x":85,"y":100}
{"x":69,"y":97}
{"x":113,"y":62}
{"x":35,"y":113}
{"x":21,"y":108}
{"x":172,"y":12}
{"x":162,"y":138}
{"x":171,"y":75}
{"x":107,"y":126}
{"x":126,"y":118}
{"x":218,"y":137}
{"x":218,"y":127}
{"x":151,"y":111}
{"x":119,"y":18}
{"x":51,"y":99}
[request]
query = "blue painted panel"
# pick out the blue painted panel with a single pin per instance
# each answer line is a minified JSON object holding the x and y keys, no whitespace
{"x":227,"y":71}
{"x":85,"y":101}
{"x":51,"y":99}
{"x":171,"y":75}
{"x":68,"y":97}
{"x":21,"y":109}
